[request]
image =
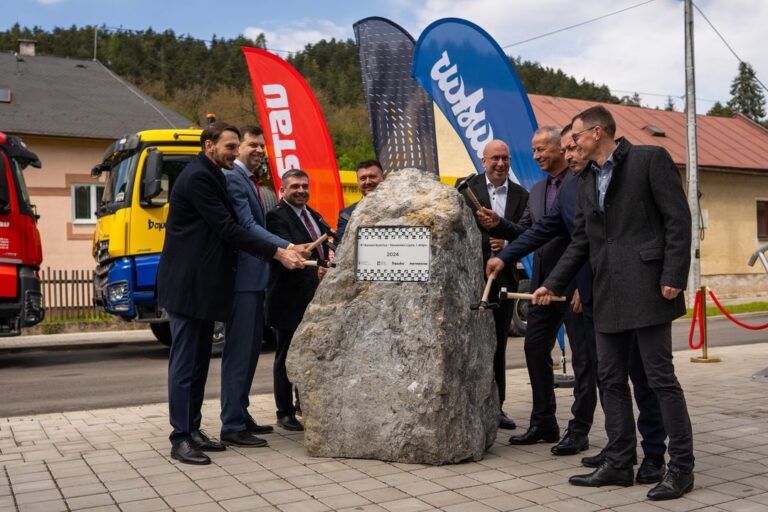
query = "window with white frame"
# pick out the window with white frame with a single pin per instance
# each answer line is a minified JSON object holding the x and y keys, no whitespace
{"x":85,"y":201}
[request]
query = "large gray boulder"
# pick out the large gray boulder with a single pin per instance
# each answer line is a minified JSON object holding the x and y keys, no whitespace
{"x":401,"y":371}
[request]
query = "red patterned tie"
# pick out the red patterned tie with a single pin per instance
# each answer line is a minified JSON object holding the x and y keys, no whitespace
{"x":255,"y":181}
{"x":312,"y":233}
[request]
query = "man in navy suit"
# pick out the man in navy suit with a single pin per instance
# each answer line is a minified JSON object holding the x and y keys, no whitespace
{"x":245,"y":326}
{"x":289,"y":293}
{"x":369,"y":175}
{"x":196,"y":280}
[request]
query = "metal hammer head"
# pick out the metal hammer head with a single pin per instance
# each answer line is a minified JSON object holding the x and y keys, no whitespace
{"x":483,"y":305}
{"x":503,"y":295}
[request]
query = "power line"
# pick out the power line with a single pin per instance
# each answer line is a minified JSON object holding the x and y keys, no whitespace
{"x":726,"y":43}
{"x":676,"y":96}
{"x":579,"y":24}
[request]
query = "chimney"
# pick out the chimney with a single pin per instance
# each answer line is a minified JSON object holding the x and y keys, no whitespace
{"x":27,"y":47}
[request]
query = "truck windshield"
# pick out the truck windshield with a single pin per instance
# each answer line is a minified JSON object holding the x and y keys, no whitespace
{"x":116,"y":190}
{"x":18,"y":176}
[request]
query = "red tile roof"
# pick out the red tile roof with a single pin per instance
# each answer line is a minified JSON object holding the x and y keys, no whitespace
{"x":723,"y":142}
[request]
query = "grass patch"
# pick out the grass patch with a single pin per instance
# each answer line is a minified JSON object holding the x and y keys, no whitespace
{"x":734,"y":309}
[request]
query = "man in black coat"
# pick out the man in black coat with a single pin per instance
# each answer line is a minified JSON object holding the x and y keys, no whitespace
{"x":196,"y":277}
{"x":290,"y":291}
{"x":495,"y":190}
{"x":369,"y":176}
{"x":634,"y":226}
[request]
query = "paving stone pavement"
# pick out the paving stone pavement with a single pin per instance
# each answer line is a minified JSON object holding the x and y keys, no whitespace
{"x":118,"y":459}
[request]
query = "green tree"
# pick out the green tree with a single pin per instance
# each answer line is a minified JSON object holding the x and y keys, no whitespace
{"x":746,"y":96}
{"x":632,"y":101}
{"x":719,"y":110}
{"x":670,"y":106}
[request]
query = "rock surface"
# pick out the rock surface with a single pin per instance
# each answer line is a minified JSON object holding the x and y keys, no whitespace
{"x":401,"y":371}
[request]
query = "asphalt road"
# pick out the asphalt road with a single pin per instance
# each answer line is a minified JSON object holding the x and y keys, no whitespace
{"x":41,"y":381}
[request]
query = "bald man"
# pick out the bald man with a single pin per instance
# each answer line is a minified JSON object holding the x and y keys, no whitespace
{"x":496,"y":191}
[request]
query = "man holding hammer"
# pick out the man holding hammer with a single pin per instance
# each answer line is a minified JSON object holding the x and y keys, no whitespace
{"x":634,"y":226}
{"x":289,"y":293}
{"x":508,"y":200}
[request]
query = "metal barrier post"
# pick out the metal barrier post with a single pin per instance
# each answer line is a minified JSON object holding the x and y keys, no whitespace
{"x":704,"y":355}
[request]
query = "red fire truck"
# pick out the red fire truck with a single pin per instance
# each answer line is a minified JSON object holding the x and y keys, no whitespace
{"x":21,"y":299}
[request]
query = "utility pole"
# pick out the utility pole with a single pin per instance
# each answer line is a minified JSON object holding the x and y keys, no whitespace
{"x":691,"y":166}
{"x":95,"y":41}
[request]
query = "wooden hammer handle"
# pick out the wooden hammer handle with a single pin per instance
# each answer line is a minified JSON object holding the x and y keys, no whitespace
{"x":473,"y":198}
{"x":529,"y":296}
{"x":317,"y":242}
{"x":315,"y":263}
{"x":487,"y":290}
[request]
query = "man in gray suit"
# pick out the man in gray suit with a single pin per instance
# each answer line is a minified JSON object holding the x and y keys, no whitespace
{"x":634,"y":226}
{"x":246,"y":322}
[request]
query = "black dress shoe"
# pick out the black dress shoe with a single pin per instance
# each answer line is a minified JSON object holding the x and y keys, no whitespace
{"x":535,"y":434}
{"x":254,"y":428}
{"x":605,"y":475}
{"x":243,"y":438}
{"x":188,"y":453}
{"x":290,"y":423}
{"x":505,"y":422}
{"x":650,"y":471}
{"x":674,"y":485}
{"x":571,"y":444}
{"x":205,"y":443}
{"x":593,"y":461}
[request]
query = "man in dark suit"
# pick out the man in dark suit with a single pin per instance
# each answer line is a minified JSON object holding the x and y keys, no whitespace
{"x":369,"y":175}
{"x":543,"y":322}
{"x":562,"y":218}
{"x":196,"y":277}
{"x":289,"y":293}
{"x":634,"y":226}
{"x":494,"y":189}
{"x":246,"y":321}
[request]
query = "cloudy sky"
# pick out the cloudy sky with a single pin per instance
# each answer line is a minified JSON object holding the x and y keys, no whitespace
{"x":640,"y":50}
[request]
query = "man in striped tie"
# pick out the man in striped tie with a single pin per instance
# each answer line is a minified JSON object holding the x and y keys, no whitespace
{"x":290,"y":293}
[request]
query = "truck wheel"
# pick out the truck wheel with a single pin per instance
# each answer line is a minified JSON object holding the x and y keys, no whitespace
{"x":519,"y":320}
{"x":162,"y":332}
{"x":219,"y":338}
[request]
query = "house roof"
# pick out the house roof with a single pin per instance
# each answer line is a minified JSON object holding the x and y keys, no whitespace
{"x":732,"y":143}
{"x":76,"y":98}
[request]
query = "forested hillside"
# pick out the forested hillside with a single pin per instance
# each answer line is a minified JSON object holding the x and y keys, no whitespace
{"x":196,"y":77}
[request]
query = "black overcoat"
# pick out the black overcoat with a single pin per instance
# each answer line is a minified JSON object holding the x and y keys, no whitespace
{"x":639,"y":243}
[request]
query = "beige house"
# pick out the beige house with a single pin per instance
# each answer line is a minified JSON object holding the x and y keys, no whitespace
{"x":68,"y":112}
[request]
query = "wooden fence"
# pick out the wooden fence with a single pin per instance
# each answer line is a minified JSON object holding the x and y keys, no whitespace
{"x":68,"y":295}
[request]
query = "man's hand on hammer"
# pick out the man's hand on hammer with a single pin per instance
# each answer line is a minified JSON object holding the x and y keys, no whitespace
{"x":290,"y":259}
{"x":302,"y":250}
{"x":494,"y":265}
{"x":488,"y":218}
{"x":542,"y":297}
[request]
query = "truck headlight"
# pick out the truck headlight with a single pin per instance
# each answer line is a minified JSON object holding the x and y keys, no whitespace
{"x":118,"y":292}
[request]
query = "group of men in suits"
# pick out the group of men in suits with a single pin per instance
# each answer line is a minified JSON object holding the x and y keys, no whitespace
{"x":216,"y":210}
{"x":622,"y":220}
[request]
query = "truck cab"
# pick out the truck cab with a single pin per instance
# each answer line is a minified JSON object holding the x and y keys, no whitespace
{"x":21,"y":253}
{"x":141,"y":169}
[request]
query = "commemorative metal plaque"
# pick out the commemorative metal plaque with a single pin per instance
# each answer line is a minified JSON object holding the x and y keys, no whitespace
{"x":393,"y":253}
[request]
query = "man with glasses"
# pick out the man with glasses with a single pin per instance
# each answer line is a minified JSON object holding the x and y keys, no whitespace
{"x":494,"y":189}
{"x":634,"y":226}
